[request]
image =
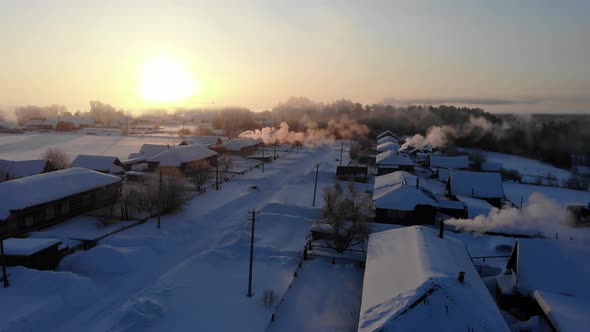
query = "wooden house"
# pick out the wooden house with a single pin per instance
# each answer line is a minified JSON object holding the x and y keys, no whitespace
{"x":390,"y":161}
{"x":207,"y":141}
{"x":103,"y":164}
{"x":240,"y":146}
{"x":399,"y":199}
{"x":416,"y":281}
{"x":38,"y":201}
{"x":181,"y":160}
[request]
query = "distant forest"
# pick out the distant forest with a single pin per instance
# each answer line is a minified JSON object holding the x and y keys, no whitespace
{"x":557,"y":139}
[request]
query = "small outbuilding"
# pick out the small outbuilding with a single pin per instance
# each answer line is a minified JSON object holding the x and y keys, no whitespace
{"x":482,"y":185}
{"x":180,"y":160}
{"x":40,"y":254}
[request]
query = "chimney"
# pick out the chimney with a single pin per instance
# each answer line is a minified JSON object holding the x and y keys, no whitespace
{"x":461,"y":277}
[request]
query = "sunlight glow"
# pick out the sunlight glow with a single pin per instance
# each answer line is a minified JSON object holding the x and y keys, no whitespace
{"x":165,"y":79}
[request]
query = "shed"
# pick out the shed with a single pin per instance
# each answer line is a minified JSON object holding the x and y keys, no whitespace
{"x":40,"y":254}
{"x":416,"y":281}
{"x":103,"y":164}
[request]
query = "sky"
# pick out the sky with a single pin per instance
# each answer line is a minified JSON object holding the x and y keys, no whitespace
{"x":503,"y":56}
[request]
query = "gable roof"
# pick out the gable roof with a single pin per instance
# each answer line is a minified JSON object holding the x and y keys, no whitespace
{"x":178,"y":155}
{"x":410,"y":284}
{"x":388,"y":146}
{"x":566,"y":313}
{"x":236,"y":144}
{"x":456,"y":162}
{"x":476,"y":184}
{"x":150,"y":150}
{"x":38,"y":189}
{"x":386,"y":133}
{"x":556,"y":266}
{"x":386,"y":139}
{"x":392,"y":158}
{"x":402,"y":197}
{"x":106,"y":164}
{"x":16,"y":169}
{"x":205,"y":140}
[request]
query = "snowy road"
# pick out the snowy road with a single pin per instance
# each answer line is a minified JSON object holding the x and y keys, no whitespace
{"x":191,"y":274}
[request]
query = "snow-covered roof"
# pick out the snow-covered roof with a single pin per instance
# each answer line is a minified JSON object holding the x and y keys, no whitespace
{"x":403,"y":198}
{"x":178,"y":155}
{"x":38,"y":189}
{"x":236,"y":144}
{"x":388,"y":158}
{"x":476,"y":207}
{"x":150,"y":150}
{"x":556,"y":266}
{"x":566,"y":313}
{"x":386,"y":133}
{"x":107,"y":164}
{"x":397,"y":191}
{"x":26,"y":246}
{"x":476,"y":184}
{"x":16,"y":169}
{"x":456,"y":162}
{"x":388,"y":146}
{"x":386,"y":139}
{"x":411,"y":284}
{"x":205,"y":140}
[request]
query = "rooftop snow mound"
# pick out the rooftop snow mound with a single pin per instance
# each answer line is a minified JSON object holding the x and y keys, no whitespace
{"x":15,"y":169}
{"x":42,"y":188}
{"x":476,"y":184}
{"x":179,"y":155}
{"x":150,"y":150}
{"x":98,"y":163}
{"x":411,"y":284}
{"x":393,"y":158}
{"x":457,"y":162}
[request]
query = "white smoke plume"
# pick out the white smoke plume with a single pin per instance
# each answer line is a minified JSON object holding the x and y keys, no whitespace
{"x":540,"y":216}
{"x":441,"y":135}
{"x":343,"y":128}
{"x":435,"y":135}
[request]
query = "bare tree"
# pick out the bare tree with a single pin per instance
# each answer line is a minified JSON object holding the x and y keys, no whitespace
{"x":57,"y":157}
{"x":152,"y":199}
{"x":199,"y":177}
{"x":226,"y":162}
{"x":345,"y":216}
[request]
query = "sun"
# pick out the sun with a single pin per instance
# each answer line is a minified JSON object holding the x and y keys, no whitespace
{"x":165,"y":80}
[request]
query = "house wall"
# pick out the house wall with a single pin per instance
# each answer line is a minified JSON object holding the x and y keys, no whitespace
{"x":46,"y":259}
{"x":51,"y":213}
{"x":422,"y":215}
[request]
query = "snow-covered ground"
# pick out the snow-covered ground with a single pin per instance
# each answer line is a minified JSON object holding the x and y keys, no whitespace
{"x":189,"y":275}
{"x":525,"y":166}
{"x":563,"y":196}
{"x":32,"y":145}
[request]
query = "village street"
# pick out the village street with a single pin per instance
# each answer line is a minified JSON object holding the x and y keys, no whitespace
{"x":192,"y":273}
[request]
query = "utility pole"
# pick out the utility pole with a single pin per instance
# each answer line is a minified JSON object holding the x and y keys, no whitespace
{"x":253,"y":219}
{"x":4,"y":274}
{"x":341,"y":148}
{"x":159,"y":198}
{"x":217,"y":176}
{"x":315,"y":186}
{"x":263,"y":145}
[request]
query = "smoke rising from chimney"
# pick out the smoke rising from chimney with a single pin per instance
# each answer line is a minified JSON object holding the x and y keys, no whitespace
{"x":342,"y":128}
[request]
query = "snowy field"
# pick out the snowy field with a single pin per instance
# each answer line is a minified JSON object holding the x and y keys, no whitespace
{"x":562,"y":196}
{"x":191,"y":274}
{"x":525,"y":166}
{"x":32,"y":145}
